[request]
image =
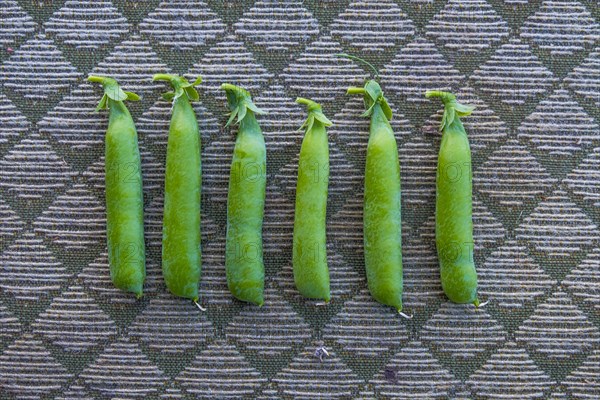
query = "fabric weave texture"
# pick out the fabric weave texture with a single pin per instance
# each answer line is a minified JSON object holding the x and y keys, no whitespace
{"x":532,"y":69}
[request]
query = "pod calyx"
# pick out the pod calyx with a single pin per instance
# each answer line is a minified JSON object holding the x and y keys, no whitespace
{"x":112,"y":90}
{"x":239,"y":101}
{"x":372,"y":94}
{"x":180,"y":85}
{"x":452,"y":108}
{"x":315,"y":113}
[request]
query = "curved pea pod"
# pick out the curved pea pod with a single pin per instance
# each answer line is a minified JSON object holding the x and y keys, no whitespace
{"x":453,"y":210}
{"x":382,"y":206}
{"x":181,"y":251}
{"x":311,"y":273}
{"x":124,"y":196}
{"x":245,"y":200}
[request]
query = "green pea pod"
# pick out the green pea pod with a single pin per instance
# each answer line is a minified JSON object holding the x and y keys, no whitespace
{"x":124,"y":196}
{"x":246,"y":200}
{"x":181,"y":251}
{"x":382,"y":212}
{"x":453,"y":212}
{"x":311,"y":273}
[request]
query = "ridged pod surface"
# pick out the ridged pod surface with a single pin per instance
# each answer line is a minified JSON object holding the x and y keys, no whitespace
{"x":181,"y":251}
{"x":311,"y":273}
{"x":124,"y":196}
{"x":382,"y":217}
{"x":245,"y":201}
{"x":454,"y":204}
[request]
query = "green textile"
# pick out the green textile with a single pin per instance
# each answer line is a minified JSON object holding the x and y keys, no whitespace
{"x":532,"y":69}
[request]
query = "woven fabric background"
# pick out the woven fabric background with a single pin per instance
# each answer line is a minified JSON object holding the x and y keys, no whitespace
{"x":531,"y":67}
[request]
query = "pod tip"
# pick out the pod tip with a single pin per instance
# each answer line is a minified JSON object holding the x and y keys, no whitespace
{"x":477,"y":304}
{"x":405,"y":315}
{"x":198,"y":304}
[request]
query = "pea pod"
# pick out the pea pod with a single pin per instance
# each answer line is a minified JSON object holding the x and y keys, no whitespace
{"x":181,"y":252}
{"x":453,"y":210}
{"x":382,"y":212}
{"x":246,"y":200}
{"x":311,"y":273}
{"x":124,"y":197}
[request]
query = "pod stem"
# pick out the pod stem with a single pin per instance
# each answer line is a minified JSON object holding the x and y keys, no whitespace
{"x":444,"y":96}
{"x":307,"y":102}
{"x":97,"y":79}
{"x":164,"y":77}
{"x":315,"y":113}
{"x":356,"y":90}
{"x":240,"y":102}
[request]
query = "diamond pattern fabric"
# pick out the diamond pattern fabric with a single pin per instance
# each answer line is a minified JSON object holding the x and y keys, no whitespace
{"x":532,"y":68}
